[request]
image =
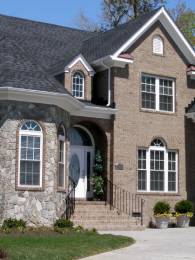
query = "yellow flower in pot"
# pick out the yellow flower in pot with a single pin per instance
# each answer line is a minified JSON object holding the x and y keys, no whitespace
{"x":184,"y":211}
{"x":162,"y":214}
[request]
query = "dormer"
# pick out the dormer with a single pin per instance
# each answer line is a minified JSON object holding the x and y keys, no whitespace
{"x":78,"y":78}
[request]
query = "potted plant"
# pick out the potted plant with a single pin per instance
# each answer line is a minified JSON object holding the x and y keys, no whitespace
{"x":162,"y":214}
{"x":184,"y":211}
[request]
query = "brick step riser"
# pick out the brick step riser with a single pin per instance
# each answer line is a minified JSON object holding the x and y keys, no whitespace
{"x":101,"y":217}
{"x":114,"y":227}
{"x":98,"y":210}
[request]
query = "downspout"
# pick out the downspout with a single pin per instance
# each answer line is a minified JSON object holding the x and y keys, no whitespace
{"x":109,"y":84}
{"x":109,"y":87}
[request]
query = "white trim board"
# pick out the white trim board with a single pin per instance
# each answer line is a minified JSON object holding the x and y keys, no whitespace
{"x":64,"y":101}
{"x":162,"y":16}
{"x":81,"y":59}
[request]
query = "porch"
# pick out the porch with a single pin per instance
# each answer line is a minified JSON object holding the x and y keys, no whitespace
{"x":90,"y":157}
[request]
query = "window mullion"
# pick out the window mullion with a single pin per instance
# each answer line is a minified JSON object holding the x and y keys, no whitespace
{"x":148,"y":169}
{"x":157,"y":83}
{"x":174,"y":96}
{"x":177,"y":171}
{"x":166,"y":172}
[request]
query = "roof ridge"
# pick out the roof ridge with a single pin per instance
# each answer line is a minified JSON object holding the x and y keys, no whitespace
{"x":44,"y":23}
{"x":124,"y":24}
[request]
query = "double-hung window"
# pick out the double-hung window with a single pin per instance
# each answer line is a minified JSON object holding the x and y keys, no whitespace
{"x":158,"y":93}
{"x":30,"y":155}
{"x":157,"y":168}
{"x":61,"y":157}
{"x":78,"y":85}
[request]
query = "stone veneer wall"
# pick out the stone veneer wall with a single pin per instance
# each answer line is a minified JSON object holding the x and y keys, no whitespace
{"x":36,"y":207}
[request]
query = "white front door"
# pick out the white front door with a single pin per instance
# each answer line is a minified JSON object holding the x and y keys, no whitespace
{"x":80,"y":169}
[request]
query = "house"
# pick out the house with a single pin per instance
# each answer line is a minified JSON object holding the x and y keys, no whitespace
{"x":66,"y":93}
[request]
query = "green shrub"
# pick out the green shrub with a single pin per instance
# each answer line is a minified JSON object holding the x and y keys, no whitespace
{"x":184,"y":206}
{"x":63,"y":223}
{"x":11,"y":223}
{"x":161,"y":207}
{"x":98,"y":187}
{"x":79,"y":229}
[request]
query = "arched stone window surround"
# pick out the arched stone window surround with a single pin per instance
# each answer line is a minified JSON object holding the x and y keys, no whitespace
{"x":62,"y":152}
{"x":34,"y":135}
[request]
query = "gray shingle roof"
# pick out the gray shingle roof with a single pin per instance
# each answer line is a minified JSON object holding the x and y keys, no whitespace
{"x":109,"y":42}
{"x":31,"y":53}
{"x":49,"y":44}
{"x":18,"y":70}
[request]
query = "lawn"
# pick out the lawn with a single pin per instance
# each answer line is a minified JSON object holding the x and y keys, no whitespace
{"x":58,"y":246}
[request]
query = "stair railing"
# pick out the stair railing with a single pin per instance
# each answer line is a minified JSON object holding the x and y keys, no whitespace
{"x":124,"y":201}
{"x":70,"y":199}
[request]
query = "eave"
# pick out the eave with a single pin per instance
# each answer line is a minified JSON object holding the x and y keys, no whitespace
{"x":64,"y":101}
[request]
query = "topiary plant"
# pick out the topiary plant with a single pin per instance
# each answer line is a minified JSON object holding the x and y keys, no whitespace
{"x":161,"y":208}
{"x":97,"y":179}
{"x":184,"y":207}
{"x":98,"y":187}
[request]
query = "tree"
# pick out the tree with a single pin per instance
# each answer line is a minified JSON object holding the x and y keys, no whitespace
{"x":185,"y":19}
{"x":116,"y":12}
{"x":85,"y":23}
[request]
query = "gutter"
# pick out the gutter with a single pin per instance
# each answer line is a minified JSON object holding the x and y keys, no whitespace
{"x":64,"y":101}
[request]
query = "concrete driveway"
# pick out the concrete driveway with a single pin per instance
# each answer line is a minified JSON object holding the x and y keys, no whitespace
{"x":154,"y":244}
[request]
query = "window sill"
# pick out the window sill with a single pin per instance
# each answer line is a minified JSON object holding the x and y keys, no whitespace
{"x":158,"y":54}
{"x":156,"y":193}
{"x":62,"y":190}
{"x":165,"y":113}
{"x":28,"y":188}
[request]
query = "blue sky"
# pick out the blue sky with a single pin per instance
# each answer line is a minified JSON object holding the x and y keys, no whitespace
{"x":62,"y":12}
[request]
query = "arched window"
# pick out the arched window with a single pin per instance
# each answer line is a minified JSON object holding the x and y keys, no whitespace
{"x":157,"y":143}
{"x":157,"y":168}
{"x":157,"y":45}
{"x":61,"y":157}
{"x":78,"y":85}
{"x":30,"y":154}
{"x":79,"y":136}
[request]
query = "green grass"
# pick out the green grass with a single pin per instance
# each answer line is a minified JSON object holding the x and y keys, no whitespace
{"x":57,"y":246}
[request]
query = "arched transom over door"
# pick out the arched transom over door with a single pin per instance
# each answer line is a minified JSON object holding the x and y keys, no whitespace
{"x":81,"y":160}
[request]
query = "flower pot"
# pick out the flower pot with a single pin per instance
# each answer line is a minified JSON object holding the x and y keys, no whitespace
{"x":183,"y":221}
{"x":162,"y":222}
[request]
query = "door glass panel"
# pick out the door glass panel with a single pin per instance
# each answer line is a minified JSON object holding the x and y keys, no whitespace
{"x":88,"y":170}
{"x":74,"y":168}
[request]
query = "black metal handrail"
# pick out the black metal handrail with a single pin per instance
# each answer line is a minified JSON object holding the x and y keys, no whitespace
{"x":123,"y":200}
{"x":70,"y":199}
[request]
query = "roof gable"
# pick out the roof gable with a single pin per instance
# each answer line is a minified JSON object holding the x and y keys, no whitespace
{"x":167,"y":22}
{"x":81,"y":59}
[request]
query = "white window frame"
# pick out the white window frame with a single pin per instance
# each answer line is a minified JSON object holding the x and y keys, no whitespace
{"x":157,"y":94}
{"x":33,"y":134}
{"x":83,"y":92}
{"x":160,"y":39}
{"x":166,"y":172}
{"x":61,"y":139}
